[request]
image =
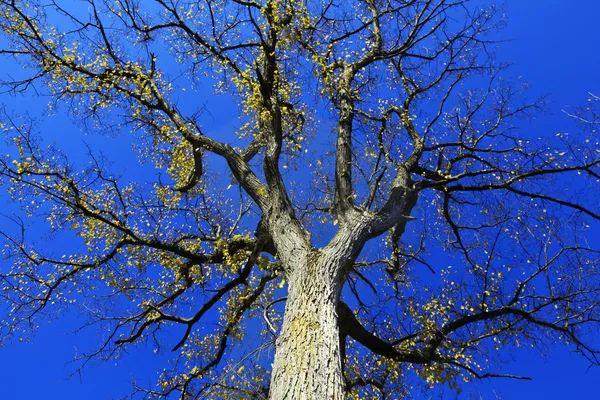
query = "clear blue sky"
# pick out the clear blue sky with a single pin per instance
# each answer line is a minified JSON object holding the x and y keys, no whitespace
{"x":553,"y":45}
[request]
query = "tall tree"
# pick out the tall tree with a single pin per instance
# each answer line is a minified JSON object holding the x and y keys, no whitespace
{"x":418,"y":157}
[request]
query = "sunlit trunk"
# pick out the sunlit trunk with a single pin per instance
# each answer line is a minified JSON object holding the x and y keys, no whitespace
{"x":307,"y":362}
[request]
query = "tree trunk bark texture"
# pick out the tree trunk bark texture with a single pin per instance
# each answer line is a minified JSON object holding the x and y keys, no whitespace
{"x":307,"y":362}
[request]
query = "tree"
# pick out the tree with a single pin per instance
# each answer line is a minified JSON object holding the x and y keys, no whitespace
{"x":425,"y":159}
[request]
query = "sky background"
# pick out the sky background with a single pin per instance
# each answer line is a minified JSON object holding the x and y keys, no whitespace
{"x":553,"y":44}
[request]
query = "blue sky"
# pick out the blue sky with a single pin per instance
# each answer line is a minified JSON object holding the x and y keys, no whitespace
{"x":552,"y":44}
{"x":552,"y":47}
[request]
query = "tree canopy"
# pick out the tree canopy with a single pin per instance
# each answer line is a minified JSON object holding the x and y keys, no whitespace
{"x":369,"y":210}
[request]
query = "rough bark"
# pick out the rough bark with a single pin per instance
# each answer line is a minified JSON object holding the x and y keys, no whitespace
{"x":307,"y":364}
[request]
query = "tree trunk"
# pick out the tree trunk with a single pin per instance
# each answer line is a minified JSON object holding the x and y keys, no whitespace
{"x":307,"y":362}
